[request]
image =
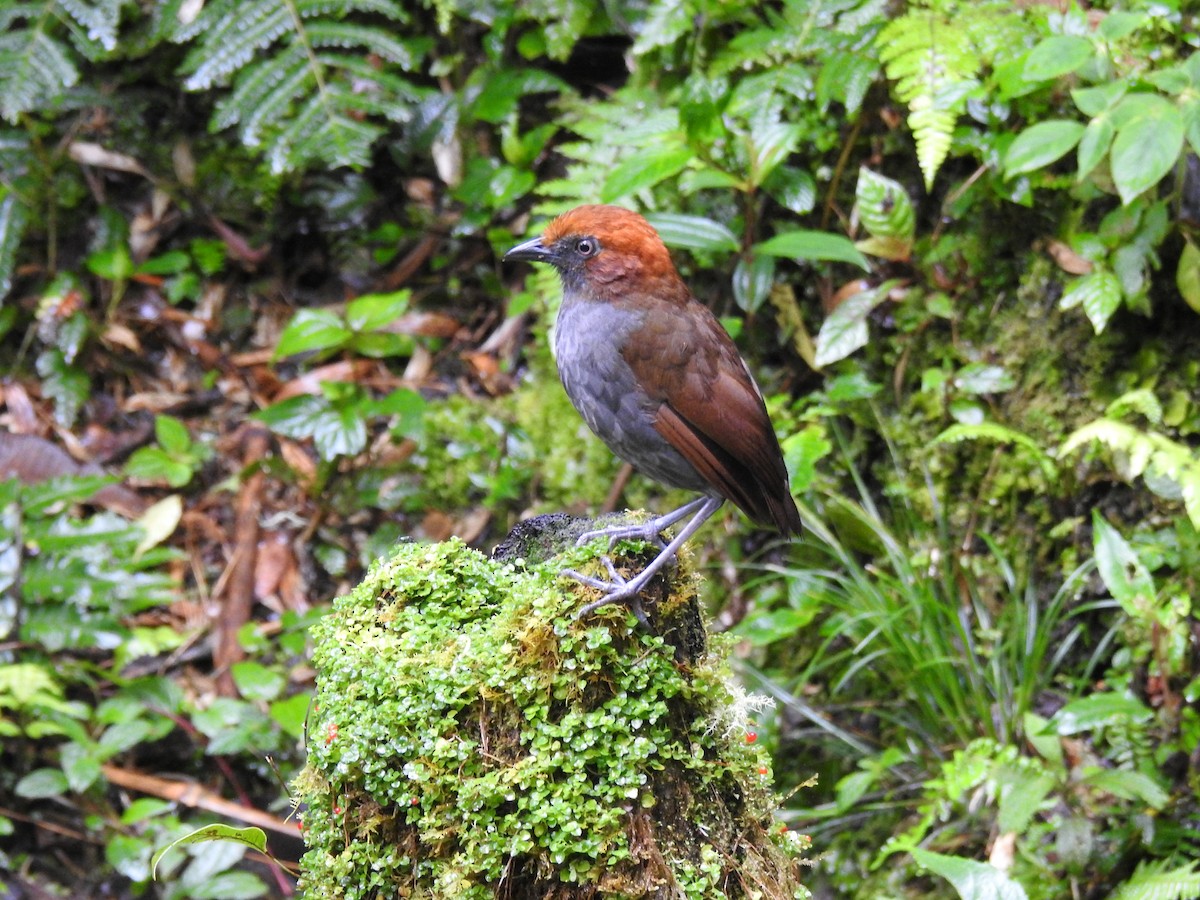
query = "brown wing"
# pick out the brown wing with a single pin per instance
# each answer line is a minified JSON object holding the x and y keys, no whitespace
{"x":713,"y":413}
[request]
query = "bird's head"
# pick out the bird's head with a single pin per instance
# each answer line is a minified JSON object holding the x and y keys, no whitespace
{"x":607,"y":251}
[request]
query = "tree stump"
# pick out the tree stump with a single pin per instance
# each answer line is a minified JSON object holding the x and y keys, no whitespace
{"x":471,"y":739}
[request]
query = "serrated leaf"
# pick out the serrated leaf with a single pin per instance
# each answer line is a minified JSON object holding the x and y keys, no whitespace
{"x":1147,"y":145}
{"x":1057,"y":55}
{"x":645,"y":169}
{"x":1099,"y":293}
{"x":813,"y":245}
{"x":693,"y":233}
{"x":1040,"y":145}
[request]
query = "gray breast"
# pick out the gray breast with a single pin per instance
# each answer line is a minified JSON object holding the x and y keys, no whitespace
{"x":587,"y":341}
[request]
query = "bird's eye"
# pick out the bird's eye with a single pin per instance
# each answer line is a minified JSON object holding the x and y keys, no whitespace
{"x":586,"y":247}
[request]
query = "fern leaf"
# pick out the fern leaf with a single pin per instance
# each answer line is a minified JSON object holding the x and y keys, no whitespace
{"x":265,"y":94}
{"x":37,"y":69}
{"x":14,"y":216}
{"x":1153,"y":881}
{"x":372,"y":40}
{"x":235,"y":41}
{"x":99,"y":23}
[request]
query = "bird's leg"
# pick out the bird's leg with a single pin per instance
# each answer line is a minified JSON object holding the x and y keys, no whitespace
{"x":642,"y":531}
{"x":620,"y":590}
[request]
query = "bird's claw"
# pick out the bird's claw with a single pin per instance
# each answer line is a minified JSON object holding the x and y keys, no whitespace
{"x":616,"y":590}
{"x":647,"y":532}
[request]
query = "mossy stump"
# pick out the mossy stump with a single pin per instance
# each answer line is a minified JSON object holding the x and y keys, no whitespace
{"x":471,"y":739}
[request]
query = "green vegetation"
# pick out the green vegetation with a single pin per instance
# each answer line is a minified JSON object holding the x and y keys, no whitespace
{"x":249,"y":262}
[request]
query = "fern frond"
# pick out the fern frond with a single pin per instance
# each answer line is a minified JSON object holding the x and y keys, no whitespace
{"x":38,"y":69}
{"x":933,"y":54}
{"x":234,"y":42}
{"x":1154,"y":881}
{"x":304,"y":78}
{"x":99,"y":22}
{"x":14,"y":216}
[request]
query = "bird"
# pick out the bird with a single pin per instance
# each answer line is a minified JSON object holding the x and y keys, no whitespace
{"x":659,"y":380}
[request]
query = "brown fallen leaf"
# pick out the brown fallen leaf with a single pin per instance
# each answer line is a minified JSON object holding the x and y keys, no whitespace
{"x":31,"y":459}
{"x":1067,"y":259}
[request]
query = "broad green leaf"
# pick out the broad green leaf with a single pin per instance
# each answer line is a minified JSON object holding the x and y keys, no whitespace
{"x":172,"y":435}
{"x":1116,"y":24}
{"x":371,"y":312}
{"x":1098,"y":710}
{"x":644,"y":169}
{"x":1057,"y":55}
{"x":311,"y":330}
{"x":1021,"y":799}
{"x":255,"y":838}
{"x":1093,"y":101}
{"x":972,"y":880}
{"x":1122,"y":572}
{"x":1040,"y":145}
{"x":801,"y":453}
{"x":814,"y":245}
{"x":792,"y":188}
{"x":1147,"y":145}
{"x":768,"y":147}
{"x":1098,"y":292}
{"x":81,"y":765}
{"x":255,"y":681}
{"x":1190,"y":110}
{"x":693,"y":232}
{"x":752,"y":280}
{"x":171,"y":263}
{"x":291,"y":713}
{"x":41,"y":784}
{"x":1094,"y":144}
{"x":1129,"y":785}
{"x":113,"y":264}
{"x":1187,"y":275}
{"x":845,"y":329}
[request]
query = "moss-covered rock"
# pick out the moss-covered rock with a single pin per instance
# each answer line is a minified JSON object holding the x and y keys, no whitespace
{"x":470,"y":738}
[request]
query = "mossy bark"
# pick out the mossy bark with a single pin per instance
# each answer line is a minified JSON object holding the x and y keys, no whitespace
{"x":471,"y":738}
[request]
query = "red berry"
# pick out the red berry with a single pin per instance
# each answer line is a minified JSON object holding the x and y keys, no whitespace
{"x":762,"y":770}
{"x":751,"y":737}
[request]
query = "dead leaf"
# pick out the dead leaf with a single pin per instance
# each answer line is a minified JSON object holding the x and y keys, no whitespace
{"x":88,"y":154}
{"x":1067,"y":259}
{"x":32,"y":459}
{"x":1003,"y":851}
{"x":21,"y":417}
{"x":159,"y":523}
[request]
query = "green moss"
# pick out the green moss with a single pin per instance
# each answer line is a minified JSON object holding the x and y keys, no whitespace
{"x":469,"y":733}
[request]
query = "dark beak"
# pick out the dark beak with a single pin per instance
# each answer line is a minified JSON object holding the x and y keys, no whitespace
{"x":530,"y":251}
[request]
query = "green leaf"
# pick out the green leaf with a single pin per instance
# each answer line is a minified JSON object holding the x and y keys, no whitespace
{"x":172,"y":435}
{"x":254,"y":838}
{"x":1094,"y":144}
{"x":1098,"y":710}
{"x":371,"y":312}
{"x":1098,"y":292}
{"x":845,"y":329}
{"x":1187,"y":275}
{"x":81,"y":766}
{"x":1040,"y":145}
{"x":170,"y":263}
{"x":1122,"y":572}
{"x":752,"y":280}
{"x":41,"y":784}
{"x":290,"y":714}
{"x":793,"y":189}
{"x":644,"y":169}
{"x":113,"y":264}
{"x":887,"y":213}
{"x":973,"y":880}
{"x":813,"y":245}
{"x":1128,"y":785}
{"x":1021,"y":800}
{"x":768,"y":147}
{"x":1094,"y":101}
{"x":801,"y":453}
{"x":693,"y":233}
{"x":1057,"y":55}
{"x":255,"y":681}
{"x":311,"y":330}
{"x":1148,"y":143}
{"x":979,"y":378}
